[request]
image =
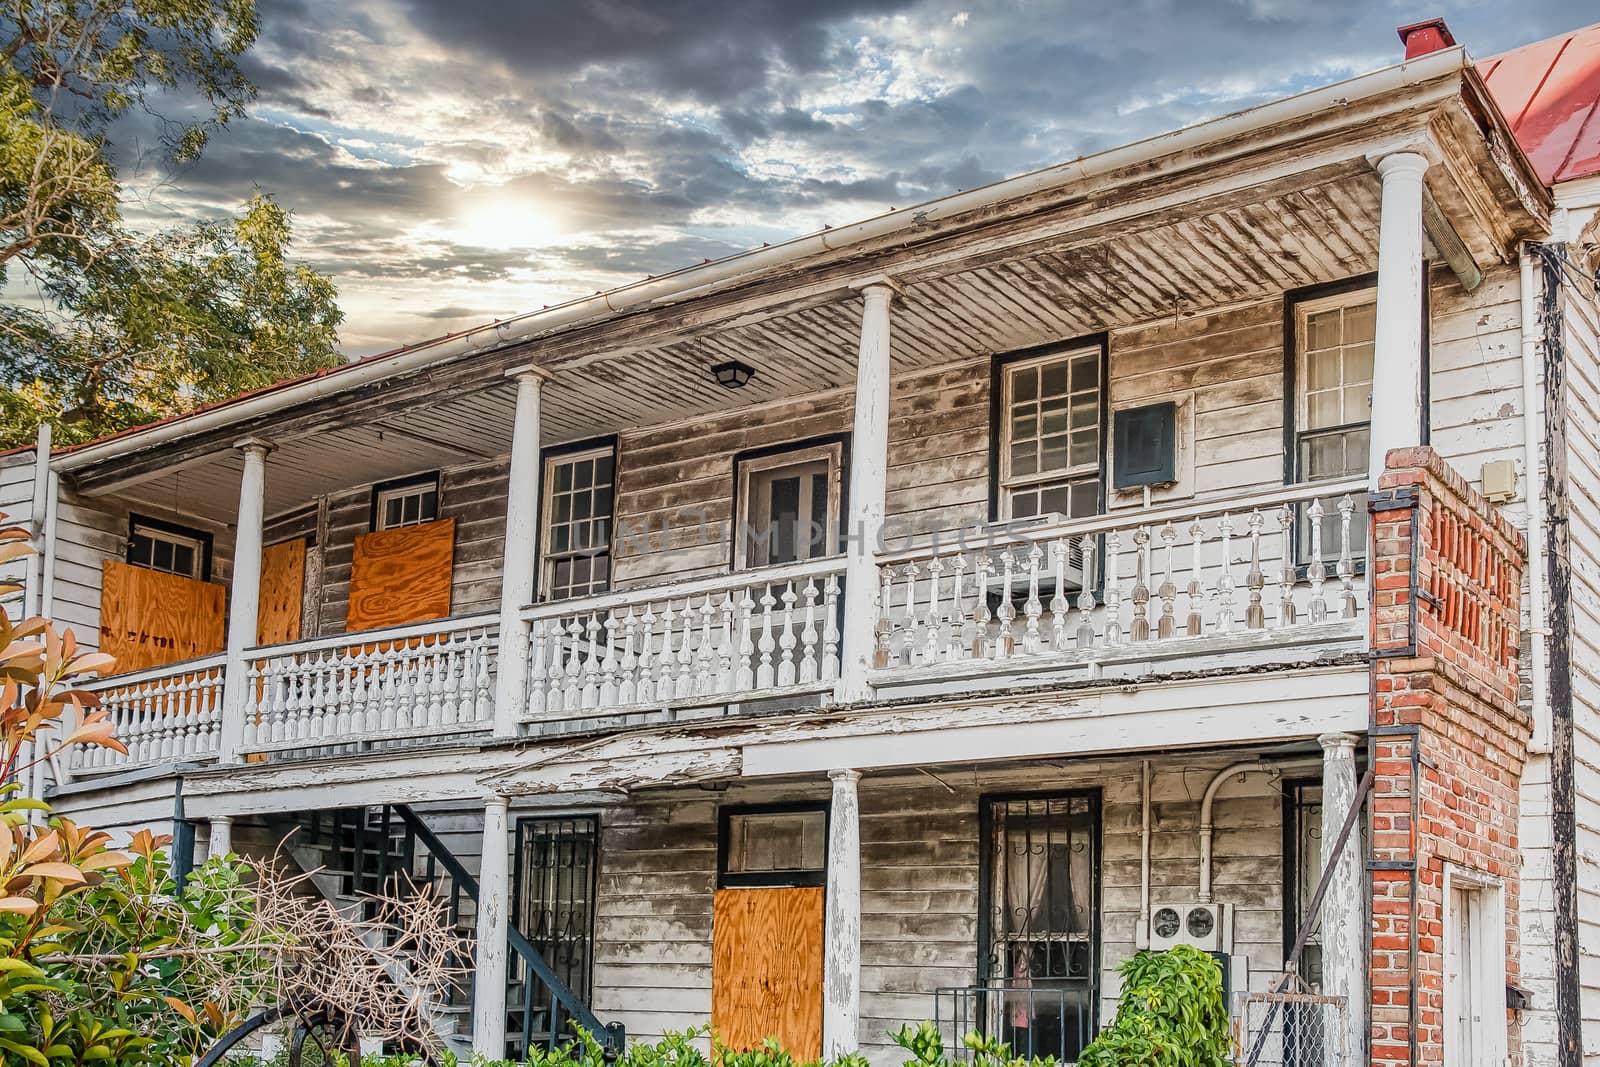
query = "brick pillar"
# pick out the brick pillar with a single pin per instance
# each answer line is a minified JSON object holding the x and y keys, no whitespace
{"x":1448,"y":737}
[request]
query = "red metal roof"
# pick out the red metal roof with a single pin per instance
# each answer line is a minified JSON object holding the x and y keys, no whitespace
{"x":1550,"y":93}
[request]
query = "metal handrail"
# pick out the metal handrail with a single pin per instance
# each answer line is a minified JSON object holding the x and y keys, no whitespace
{"x":611,"y":1035}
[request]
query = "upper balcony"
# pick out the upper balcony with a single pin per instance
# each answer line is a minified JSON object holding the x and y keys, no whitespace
{"x":1111,"y":424}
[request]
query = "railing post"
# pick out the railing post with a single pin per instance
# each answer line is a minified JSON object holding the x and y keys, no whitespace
{"x":1397,"y":342}
{"x":518,"y":563}
{"x":841,"y":960}
{"x":244,"y":598}
{"x":1344,"y":910}
{"x":493,"y":932}
{"x":869,"y":479}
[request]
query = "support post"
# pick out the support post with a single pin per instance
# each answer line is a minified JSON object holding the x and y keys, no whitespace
{"x":1344,"y":954}
{"x":869,"y":482}
{"x":244,"y":599}
{"x":518,"y":564}
{"x":494,"y":926}
{"x":219,"y":842}
{"x":1397,"y":361}
{"x":841,"y":960}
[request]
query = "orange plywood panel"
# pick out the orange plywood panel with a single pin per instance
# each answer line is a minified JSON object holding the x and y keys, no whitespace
{"x":766,"y":968}
{"x":150,"y":618}
{"x":401,"y":576}
{"x":283,"y":580}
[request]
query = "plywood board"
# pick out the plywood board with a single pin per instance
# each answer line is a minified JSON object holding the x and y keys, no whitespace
{"x":283,"y":577}
{"x":150,"y":618}
{"x":766,"y":968}
{"x":401,"y":576}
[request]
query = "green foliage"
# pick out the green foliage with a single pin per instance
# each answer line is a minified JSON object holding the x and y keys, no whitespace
{"x":160,"y":324}
{"x":927,"y":1050}
{"x":1171,"y":1014}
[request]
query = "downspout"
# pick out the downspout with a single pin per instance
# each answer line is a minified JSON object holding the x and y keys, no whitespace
{"x":1533,"y":429}
{"x":1141,"y":936}
{"x":1206,"y":829}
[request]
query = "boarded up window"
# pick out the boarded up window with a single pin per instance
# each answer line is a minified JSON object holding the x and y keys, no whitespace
{"x":283,"y":575}
{"x":150,"y":618}
{"x":401,"y":576}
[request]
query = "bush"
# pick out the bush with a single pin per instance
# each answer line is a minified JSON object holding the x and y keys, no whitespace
{"x":1170,"y":1014}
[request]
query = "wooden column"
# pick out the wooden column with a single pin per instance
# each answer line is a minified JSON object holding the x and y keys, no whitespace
{"x":244,"y":598}
{"x":869,"y":479}
{"x":1397,"y":349}
{"x":494,"y":925}
{"x":219,"y":842}
{"x":1344,"y":941}
{"x":519,"y":564}
{"x":841,"y":937}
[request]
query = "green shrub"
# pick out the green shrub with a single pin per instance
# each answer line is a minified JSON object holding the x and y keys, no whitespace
{"x":1170,"y":1014}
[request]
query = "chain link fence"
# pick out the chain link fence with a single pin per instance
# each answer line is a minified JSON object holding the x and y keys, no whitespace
{"x":1300,"y":1029}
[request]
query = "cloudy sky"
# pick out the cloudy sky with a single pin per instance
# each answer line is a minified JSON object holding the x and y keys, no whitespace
{"x":451,"y":161}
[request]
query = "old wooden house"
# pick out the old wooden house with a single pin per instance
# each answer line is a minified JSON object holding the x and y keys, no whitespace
{"x":915,"y":619}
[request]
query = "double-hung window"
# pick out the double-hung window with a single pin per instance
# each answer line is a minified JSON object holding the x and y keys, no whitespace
{"x":788,"y":507}
{"x":407,"y":502}
{"x":1333,"y":405}
{"x":576,"y":546}
{"x":168,"y":548}
{"x":1050,"y":435}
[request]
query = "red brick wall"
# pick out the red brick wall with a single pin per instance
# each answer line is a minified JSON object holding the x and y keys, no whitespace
{"x":1449,"y":737}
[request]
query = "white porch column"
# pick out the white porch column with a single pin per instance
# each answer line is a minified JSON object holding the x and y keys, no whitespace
{"x":244,"y":598}
{"x":1397,"y":344}
{"x":494,"y":924}
{"x":1344,"y":912}
{"x":518,"y":563}
{"x":841,"y":941}
{"x":869,"y":480}
{"x":219,"y":842}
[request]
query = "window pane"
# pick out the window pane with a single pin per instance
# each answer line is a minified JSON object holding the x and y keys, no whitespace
{"x":776,"y":842}
{"x":1322,"y":329}
{"x":563,"y":479}
{"x":1053,"y":455}
{"x":1024,"y":427}
{"x":1024,"y":459}
{"x":139,"y":550}
{"x":1086,"y":372}
{"x":1054,"y":377}
{"x":1085,"y":447}
{"x":162,"y":556}
{"x":1360,"y":323}
{"x":182,"y":559}
{"x":1025,"y":384}
{"x":1025,"y":504}
{"x":1322,"y":369}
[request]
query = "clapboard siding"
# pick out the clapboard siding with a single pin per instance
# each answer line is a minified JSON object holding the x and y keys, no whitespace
{"x":16,"y":503}
{"x":919,"y":879}
{"x":1581,"y":336}
{"x":1476,"y":394}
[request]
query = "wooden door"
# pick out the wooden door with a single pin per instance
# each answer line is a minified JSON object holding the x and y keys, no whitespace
{"x":766,"y":968}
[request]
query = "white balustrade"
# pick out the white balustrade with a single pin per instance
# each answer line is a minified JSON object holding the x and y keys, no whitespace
{"x":429,"y":680}
{"x":691,"y":644}
{"x":1254,"y":570}
{"x":163,"y":715}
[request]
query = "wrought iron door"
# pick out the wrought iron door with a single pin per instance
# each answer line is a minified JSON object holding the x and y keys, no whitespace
{"x":554,"y":908}
{"x":1039,"y":933}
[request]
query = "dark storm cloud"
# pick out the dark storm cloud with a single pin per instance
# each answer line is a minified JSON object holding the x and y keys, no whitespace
{"x":618,"y":138}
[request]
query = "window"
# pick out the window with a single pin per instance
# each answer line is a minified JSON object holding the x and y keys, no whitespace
{"x":168,"y":547}
{"x":554,"y":903}
{"x":789,"y":504}
{"x":773,"y":846}
{"x":407,"y":502}
{"x":1040,"y":922}
{"x":1049,"y":435}
{"x":579,"y":492}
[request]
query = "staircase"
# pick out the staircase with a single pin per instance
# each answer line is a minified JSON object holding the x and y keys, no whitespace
{"x":359,"y":853}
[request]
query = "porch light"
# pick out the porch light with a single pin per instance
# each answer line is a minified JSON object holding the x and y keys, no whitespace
{"x":733,"y":374}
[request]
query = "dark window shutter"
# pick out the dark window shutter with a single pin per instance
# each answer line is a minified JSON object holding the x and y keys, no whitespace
{"x":1146,"y":440}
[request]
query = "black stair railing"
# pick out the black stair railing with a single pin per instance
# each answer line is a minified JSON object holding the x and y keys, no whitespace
{"x":562,"y":999}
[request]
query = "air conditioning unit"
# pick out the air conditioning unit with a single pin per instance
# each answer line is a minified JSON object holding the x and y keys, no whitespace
{"x":1204,"y":926}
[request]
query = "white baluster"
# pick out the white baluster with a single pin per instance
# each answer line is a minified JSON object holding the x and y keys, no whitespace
{"x":883,"y":632}
{"x":830,"y":628}
{"x":646,"y":691}
{"x":787,"y":638}
{"x":962,"y":627}
{"x":1033,"y":607}
{"x":765,"y":673}
{"x":1168,"y":625}
{"x":686,"y":652}
{"x":908,"y":623}
{"x":726,"y":650}
{"x":628,"y":684}
{"x":1140,"y":630}
{"x":538,"y":668}
{"x":1314,"y":570}
{"x":808,"y":635}
{"x":1112,"y":594}
{"x":484,"y":702}
{"x":591,"y":664}
{"x":609,"y":664}
{"x":361,"y":717}
{"x":1225,"y":578}
{"x":1286,"y":607}
{"x":1085,"y":633}
{"x":744,"y":678}
{"x":933,"y":630}
{"x":438,"y":670}
{"x":1255,"y":616}
{"x":1195,"y":591}
{"x":572,"y":688}
{"x":1059,"y":605}
{"x":705,"y":656}
{"x":1347,"y":570}
{"x":979,"y":646}
{"x":1005,"y":636}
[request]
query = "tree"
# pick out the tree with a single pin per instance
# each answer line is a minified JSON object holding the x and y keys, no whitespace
{"x":161,"y":323}
{"x":130,"y":327}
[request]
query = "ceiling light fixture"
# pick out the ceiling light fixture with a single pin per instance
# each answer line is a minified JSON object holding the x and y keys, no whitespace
{"x":733,"y":374}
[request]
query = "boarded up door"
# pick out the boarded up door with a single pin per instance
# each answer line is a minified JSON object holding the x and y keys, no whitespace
{"x":401,"y":576}
{"x":151,"y":618}
{"x":283,"y":578}
{"x":766,"y":968}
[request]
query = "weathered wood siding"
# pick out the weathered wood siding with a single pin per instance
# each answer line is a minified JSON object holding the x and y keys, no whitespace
{"x":920,"y":852}
{"x":1476,"y":386}
{"x":16,"y":503}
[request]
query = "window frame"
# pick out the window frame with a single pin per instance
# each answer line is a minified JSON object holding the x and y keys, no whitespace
{"x":1001,"y":367}
{"x":382,"y":492}
{"x":771,"y":879}
{"x":835,"y":448}
{"x":549,"y":457}
{"x":1293,"y":301}
{"x":202,"y":542}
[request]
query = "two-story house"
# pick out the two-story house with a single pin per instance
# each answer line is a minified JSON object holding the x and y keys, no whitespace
{"x":916,"y":618}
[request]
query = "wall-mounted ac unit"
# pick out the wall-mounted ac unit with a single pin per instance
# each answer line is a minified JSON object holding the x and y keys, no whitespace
{"x":1202,"y":925}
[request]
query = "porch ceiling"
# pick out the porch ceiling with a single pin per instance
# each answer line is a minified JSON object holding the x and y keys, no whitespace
{"x":1249,"y":245}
